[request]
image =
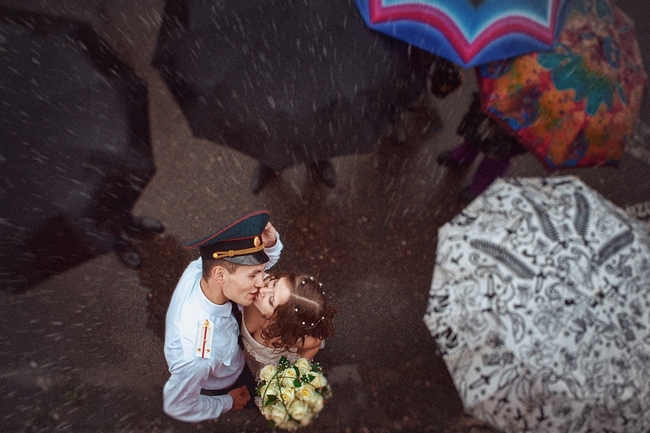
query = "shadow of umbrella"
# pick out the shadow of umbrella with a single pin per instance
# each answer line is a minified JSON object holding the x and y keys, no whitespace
{"x":285,"y":82}
{"x":76,"y":152}
{"x":163,"y":261}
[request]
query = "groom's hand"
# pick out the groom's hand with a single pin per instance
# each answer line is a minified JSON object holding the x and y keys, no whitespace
{"x":269,"y":235}
{"x":240,"y":396}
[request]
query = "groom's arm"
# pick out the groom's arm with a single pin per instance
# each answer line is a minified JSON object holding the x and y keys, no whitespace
{"x":273,"y":244}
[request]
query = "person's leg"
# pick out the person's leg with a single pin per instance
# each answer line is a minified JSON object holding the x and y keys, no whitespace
{"x":462,"y":155}
{"x":324,"y":169}
{"x":487,"y":172}
{"x":263,"y":174}
{"x":142,"y":224}
{"x":127,"y":254}
{"x":134,"y":225}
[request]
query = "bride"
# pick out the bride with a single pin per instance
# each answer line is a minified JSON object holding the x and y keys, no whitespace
{"x":289,"y":317}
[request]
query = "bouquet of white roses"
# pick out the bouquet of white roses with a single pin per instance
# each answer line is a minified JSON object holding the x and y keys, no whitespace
{"x":290,"y":395}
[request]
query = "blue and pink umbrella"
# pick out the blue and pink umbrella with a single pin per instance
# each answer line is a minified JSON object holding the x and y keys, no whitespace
{"x":468,"y":32}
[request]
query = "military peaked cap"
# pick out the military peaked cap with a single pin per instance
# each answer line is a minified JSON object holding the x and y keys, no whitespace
{"x":239,"y":242}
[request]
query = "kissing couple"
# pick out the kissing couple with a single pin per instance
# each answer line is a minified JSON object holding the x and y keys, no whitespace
{"x":228,"y":318}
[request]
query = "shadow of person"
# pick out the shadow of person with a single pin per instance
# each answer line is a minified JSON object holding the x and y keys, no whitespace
{"x":163,"y":261}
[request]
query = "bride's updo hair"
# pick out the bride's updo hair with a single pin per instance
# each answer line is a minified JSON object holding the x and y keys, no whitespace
{"x":306,"y":313}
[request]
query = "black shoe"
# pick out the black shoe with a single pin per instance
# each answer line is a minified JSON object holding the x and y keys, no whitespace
{"x":127,"y":255}
{"x":143,"y":224}
{"x":263,"y":174}
{"x":445,"y":159}
{"x":325,"y":172}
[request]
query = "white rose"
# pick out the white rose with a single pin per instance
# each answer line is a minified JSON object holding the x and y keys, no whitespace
{"x":287,"y":382}
{"x":317,"y":403}
{"x":267,"y":372}
{"x":298,"y":410}
{"x":303,"y":365}
{"x":287,"y":395}
{"x":305,"y":392}
{"x":289,"y":373}
{"x":266,"y":411}
{"x":290,"y":425}
{"x":319,"y":380}
{"x":307,"y":419}
{"x":277,"y":414}
{"x":314,"y":398}
{"x":269,"y":389}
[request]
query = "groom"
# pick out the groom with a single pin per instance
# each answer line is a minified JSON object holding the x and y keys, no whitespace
{"x":205,"y":361}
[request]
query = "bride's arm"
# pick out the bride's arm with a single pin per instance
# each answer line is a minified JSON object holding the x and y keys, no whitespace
{"x":310,"y":347}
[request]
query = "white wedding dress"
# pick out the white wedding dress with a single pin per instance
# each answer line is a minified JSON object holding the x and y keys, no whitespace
{"x":258,"y":355}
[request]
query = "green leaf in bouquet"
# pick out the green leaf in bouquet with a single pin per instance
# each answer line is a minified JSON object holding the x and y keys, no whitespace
{"x":272,"y":425}
{"x":316,"y":367}
{"x":296,"y":383}
{"x":283,"y":363}
{"x":270,"y":400}
{"x":309,"y":378}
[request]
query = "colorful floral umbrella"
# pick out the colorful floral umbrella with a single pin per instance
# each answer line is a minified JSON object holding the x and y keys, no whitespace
{"x":468,"y":32}
{"x":575,"y":105}
{"x":540,"y":307}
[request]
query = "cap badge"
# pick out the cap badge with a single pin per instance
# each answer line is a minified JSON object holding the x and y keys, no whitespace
{"x":259,"y":246}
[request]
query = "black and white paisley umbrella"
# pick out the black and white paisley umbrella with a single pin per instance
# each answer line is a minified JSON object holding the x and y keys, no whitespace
{"x":540,"y":305}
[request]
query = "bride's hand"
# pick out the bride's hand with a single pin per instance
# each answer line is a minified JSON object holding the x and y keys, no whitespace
{"x":269,"y":235}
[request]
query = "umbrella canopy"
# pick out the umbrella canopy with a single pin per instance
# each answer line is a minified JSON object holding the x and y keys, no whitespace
{"x":75,"y":151}
{"x":468,"y":32}
{"x":283,"y":81}
{"x":577,"y":104}
{"x":539,"y":305}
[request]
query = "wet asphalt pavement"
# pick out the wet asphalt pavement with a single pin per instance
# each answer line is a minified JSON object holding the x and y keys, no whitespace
{"x":83,"y":351}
